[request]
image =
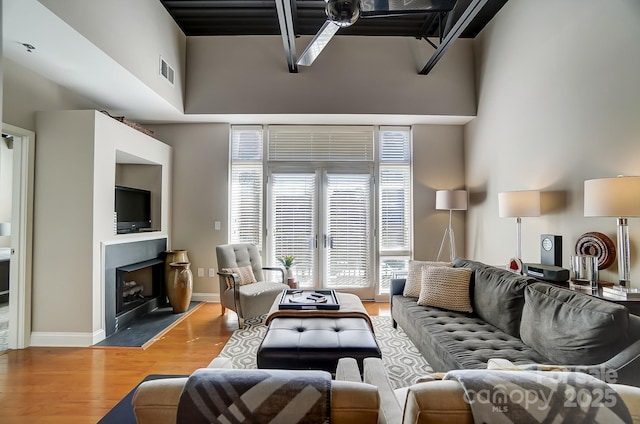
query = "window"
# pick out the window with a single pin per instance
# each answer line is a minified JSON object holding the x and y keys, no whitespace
{"x":246,"y":185}
{"x":344,"y":213}
{"x":395,"y":204}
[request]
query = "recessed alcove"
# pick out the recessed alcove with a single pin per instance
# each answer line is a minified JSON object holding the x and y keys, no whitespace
{"x":136,"y":172}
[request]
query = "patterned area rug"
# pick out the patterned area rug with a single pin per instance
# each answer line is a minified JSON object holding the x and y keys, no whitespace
{"x":401,"y":358}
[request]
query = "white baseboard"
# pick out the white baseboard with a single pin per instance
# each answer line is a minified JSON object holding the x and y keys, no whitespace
{"x":65,"y":339}
{"x":206,"y":297}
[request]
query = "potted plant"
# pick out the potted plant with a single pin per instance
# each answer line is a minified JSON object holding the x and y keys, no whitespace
{"x":288,"y":261}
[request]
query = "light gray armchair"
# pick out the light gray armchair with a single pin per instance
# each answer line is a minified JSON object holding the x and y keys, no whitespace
{"x":247,"y":300}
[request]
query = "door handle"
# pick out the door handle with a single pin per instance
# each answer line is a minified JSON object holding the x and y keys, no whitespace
{"x":328,"y":242}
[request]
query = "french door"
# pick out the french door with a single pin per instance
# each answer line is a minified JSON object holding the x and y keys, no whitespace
{"x":324,"y":217}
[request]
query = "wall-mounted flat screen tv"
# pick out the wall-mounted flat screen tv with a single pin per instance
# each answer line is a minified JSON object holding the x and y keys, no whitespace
{"x":133,"y":209}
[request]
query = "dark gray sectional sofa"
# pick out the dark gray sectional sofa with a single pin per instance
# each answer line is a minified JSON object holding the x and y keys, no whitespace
{"x":525,"y":321}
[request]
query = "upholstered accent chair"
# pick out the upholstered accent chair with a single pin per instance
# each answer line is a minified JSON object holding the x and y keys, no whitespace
{"x":243,"y":287}
{"x":352,"y":401}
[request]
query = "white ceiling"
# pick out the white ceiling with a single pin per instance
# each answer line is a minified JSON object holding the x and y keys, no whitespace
{"x":65,"y":57}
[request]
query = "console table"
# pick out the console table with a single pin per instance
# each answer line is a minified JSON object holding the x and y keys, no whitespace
{"x":633,"y":305}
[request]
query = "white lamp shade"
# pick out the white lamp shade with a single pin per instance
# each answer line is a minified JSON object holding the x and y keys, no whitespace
{"x":519,"y":203}
{"x":5,"y":228}
{"x":616,"y":196}
{"x":451,"y":200}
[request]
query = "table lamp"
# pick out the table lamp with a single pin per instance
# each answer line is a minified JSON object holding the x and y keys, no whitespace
{"x":451,"y":200}
{"x":5,"y":228}
{"x":519,"y":204}
{"x":616,"y":197}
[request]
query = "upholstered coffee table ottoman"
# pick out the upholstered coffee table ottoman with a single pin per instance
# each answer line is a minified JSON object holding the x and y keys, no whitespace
{"x":316,"y":343}
{"x":310,"y":339}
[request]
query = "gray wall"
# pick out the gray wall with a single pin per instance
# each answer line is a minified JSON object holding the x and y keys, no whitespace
{"x":200,"y":193}
{"x":555,"y":107}
{"x":354,"y":75}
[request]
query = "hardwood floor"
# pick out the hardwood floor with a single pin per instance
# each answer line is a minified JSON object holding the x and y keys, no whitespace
{"x":80,"y":385}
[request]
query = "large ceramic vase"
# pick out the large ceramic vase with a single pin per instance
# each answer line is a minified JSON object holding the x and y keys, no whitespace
{"x":179,"y":286}
{"x":177,"y":255}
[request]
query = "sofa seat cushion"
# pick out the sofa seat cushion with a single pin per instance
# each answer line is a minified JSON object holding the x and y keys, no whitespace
{"x":457,"y":340}
{"x":572,"y":328}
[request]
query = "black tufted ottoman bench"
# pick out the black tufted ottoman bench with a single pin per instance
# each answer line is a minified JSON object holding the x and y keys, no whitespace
{"x":316,"y":343}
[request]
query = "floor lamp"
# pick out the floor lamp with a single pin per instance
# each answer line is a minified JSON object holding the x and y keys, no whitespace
{"x":616,"y":197}
{"x":518,"y":204}
{"x":451,"y":200}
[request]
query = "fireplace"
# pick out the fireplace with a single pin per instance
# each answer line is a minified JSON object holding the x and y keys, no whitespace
{"x":139,"y":290}
{"x":134,"y":281}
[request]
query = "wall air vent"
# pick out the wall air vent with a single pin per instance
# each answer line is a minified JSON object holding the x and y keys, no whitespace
{"x":166,"y":71}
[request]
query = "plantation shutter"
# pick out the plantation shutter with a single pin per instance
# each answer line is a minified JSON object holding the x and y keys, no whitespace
{"x":395,"y":189}
{"x":348,"y":230}
{"x":293,"y":223}
{"x":320,"y":143}
{"x":246,"y":185}
{"x":394,"y":204}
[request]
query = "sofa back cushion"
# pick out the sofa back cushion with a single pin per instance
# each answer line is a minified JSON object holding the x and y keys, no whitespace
{"x":572,"y":328}
{"x":499,"y":298}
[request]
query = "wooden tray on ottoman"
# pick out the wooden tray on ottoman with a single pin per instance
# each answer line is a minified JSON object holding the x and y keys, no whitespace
{"x":302,"y":299}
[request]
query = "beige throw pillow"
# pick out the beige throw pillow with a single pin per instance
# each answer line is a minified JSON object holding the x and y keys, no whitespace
{"x":446,"y":288}
{"x":245,"y":274}
{"x":413,"y":285}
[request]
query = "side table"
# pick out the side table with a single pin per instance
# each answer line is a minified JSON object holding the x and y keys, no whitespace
{"x":633,"y":305}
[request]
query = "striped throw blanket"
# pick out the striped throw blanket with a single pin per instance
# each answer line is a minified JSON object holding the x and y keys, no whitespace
{"x":228,"y":396}
{"x":523,"y":397}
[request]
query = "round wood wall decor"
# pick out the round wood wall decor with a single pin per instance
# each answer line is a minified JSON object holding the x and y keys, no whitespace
{"x":598,"y":245}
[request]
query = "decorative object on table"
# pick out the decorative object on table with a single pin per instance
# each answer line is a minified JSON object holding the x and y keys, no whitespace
{"x":616,"y":197}
{"x":180,"y":286}
{"x":288,"y":261}
{"x":551,"y":250}
{"x":309,"y":299}
{"x":544,"y":272}
{"x":518,"y":204}
{"x":585,"y":272}
{"x":451,"y":200}
{"x":598,"y":245}
{"x":515,"y":265}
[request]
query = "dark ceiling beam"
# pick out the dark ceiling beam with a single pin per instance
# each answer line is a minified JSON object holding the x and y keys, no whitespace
{"x":285,"y":19}
{"x":465,"y":19}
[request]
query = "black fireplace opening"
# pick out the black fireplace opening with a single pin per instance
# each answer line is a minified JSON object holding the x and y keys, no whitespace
{"x":139,"y":289}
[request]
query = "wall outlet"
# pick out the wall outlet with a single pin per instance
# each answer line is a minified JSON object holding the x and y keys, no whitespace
{"x":200,"y":272}
{"x":212,"y":272}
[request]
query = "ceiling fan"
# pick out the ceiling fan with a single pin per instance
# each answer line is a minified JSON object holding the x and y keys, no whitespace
{"x":344,"y":13}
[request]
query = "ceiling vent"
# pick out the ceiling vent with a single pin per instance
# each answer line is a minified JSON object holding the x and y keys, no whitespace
{"x":166,"y":71}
